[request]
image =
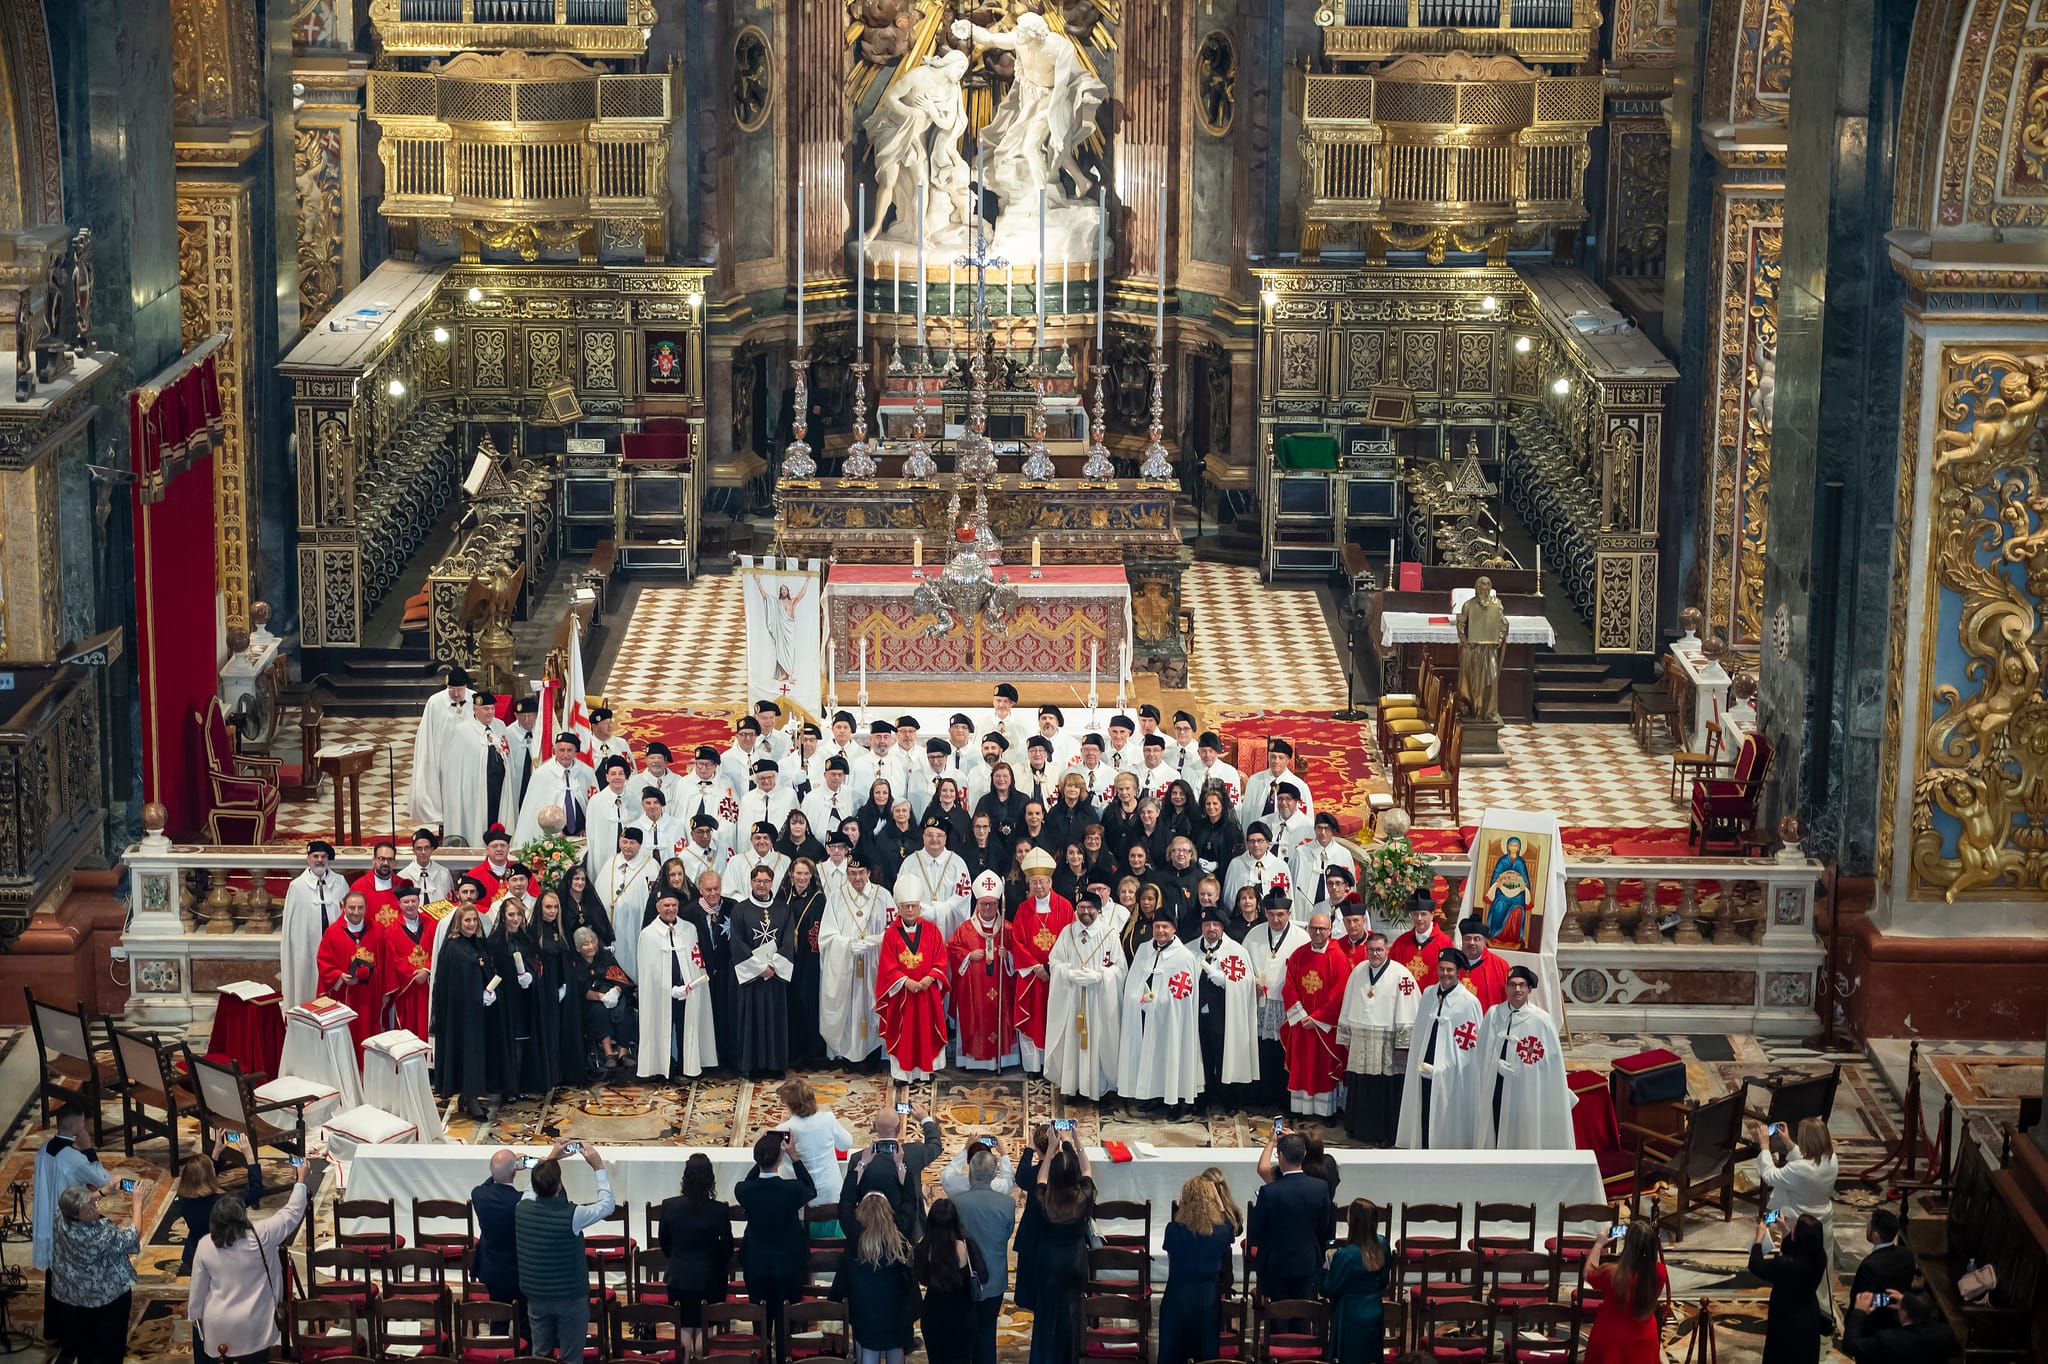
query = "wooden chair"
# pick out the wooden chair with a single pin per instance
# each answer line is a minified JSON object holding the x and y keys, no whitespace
{"x":1514,"y":1228}
{"x":486,"y":1332}
{"x":643,"y":1333}
{"x":1521,"y":1276}
{"x":228,"y":1101}
{"x":1437,"y":785}
{"x":1455,"y":1331}
{"x":609,"y":1246}
{"x":1114,"y":1271}
{"x":1556,"y":1330}
{"x":242,"y":792}
{"x":1792,"y":1097}
{"x":1394,"y":1330}
{"x":1138,"y":1238}
{"x":821,"y":1272}
{"x":449,"y":1244}
{"x":72,"y":1071}
{"x":737,"y":1328}
{"x":1293,"y":1330}
{"x":1413,"y":752}
{"x":1699,"y":1163}
{"x":815,"y":1330}
{"x":409,"y":1322}
{"x":1570,"y":1246}
{"x":649,"y":1282}
{"x":413,"y":1273}
{"x":1411,"y":1247}
{"x":1447,"y":1274}
{"x":1116,"y":1326}
{"x":379,"y":1236}
{"x":1723,"y":808}
{"x":347,"y":1277}
{"x":149,"y":1079}
{"x":323,"y":1328}
{"x":819,"y":1213}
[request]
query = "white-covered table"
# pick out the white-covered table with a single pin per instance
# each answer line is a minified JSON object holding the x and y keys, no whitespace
{"x":1422,"y":627}
{"x":395,"y":1080}
{"x":317,"y":1047}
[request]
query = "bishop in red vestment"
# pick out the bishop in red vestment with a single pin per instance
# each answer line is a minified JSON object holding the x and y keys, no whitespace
{"x":982,"y":981}
{"x":406,"y":955}
{"x":1040,"y":920}
{"x":1486,"y":973}
{"x":1313,"y":995}
{"x":910,"y":988}
{"x":1417,"y":948}
{"x":349,"y":969}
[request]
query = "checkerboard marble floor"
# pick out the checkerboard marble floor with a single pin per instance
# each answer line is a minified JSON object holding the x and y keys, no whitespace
{"x":1259,"y":647}
{"x":315,"y":818}
{"x":1586,"y":774}
{"x":684,"y":645}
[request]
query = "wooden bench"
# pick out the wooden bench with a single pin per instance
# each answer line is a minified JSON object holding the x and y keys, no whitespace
{"x":604,"y":561}
{"x":1987,"y":1226}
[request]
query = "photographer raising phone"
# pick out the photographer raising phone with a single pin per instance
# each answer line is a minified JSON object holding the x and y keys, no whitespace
{"x":893,"y":1166}
{"x":1628,"y":1272}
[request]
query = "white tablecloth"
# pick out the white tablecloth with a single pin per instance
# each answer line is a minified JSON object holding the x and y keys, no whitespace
{"x":1421,"y":627}
{"x":1709,"y":692}
{"x":321,"y":1049}
{"x":401,"y":1086}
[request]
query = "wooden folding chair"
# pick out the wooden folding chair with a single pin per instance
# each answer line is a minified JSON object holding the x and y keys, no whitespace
{"x":1502,"y":1228}
{"x":1293,"y":1330}
{"x":643,"y":1333}
{"x":71,"y":1069}
{"x":487,"y":1332}
{"x":814,"y":1330}
{"x":148,"y":1078}
{"x":1116,"y":1326}
{"x":1544,"y":1333}
{"x":737,"y":1328}
{"x":409,"y":1323}
{"x":1455,"y":1331}
{"x":381,"y":1233}
{"x":447,"y":1242}
{"x":325,"y":1327}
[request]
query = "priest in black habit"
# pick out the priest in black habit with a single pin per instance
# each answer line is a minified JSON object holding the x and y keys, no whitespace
{"x":803,"y":898}
{"x":711,"y":915}
{"x":468,"y":1025}
{"x":763,"y":948}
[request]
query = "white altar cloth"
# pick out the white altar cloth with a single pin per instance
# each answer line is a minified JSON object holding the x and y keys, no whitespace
{"x":395,"y":1080}
{"x":317,"y":1047}
{"x":1422,"y":627}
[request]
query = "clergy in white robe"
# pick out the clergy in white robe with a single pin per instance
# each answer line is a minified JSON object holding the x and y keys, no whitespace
{"x":1084,"y":1004}
{"x":564,"y":780}
{"x":1261,"y":797}
{"x":860,"y":765}
{"x":436,"y":882}
{"x":1159,"y":1056}
{"x":1096,"y":771}
{"x":738,"y":870}
{"x":1374,"y":1030}
{"x":832,"y":799}
{"x":736,"y":765}
{"x":932,"y":766}
{"x":1442,"y":1084}
{"x":1066,"y":749}
{"x":1268,"y":947}
{"x":675,"y":1004}
{"x":661,"y":834}
{"x":1290,"y":828}
{"x":1229,"y":1011}
{"x":1015,"y":727}
{"x":655,"y":771}
{"x":776,"y":738}
{"x":311,"y":902}
{"x":1257,"y":866}
{"x":770,"y":801}
{"x":943,"y":877}
{"x":519,"y":742}
{"x":1155,"y":775}
{"x":436,"y":768}
{"x":1312,"y":859}
{"x":1206,"y":765}
{"x":611,"y":809}
{"x":855,"y":915}
{"x":706,"y":791}
{"x":1524,"y":1102}
{"x":622,"y":882}
{"x":605,"y":744}
{"x":892,"y":764}
{"x":1123,"y":752}
{"x":701,"y":851}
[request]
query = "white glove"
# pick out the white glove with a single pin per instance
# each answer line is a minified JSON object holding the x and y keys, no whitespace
{"x":1206,"y":865}
{"x":1215,"y":975}
{"x":561,"y":993}
{"x":1508,"y":1065}
{"x":490,"y":998}
{"x":962,"y":29}
{"x":525,"y":979}
{"x":1424,"y":1069}
{"x":679,"y":992}
{"x":611,"y":998}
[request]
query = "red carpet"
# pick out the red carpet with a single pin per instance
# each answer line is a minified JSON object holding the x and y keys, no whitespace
{"x":1335,"y":756}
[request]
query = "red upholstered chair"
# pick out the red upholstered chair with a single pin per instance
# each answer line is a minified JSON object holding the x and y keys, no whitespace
{"x":1595,"y":1128}
{"x":242,"y":792}
{"x":1724,"y":807}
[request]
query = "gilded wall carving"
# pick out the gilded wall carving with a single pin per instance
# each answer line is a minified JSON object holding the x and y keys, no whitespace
{"x":32,"y":177}
{"x":1749,"y":62}
{"x":215,"y":76}
{"x":318,"y":162}
{"x":1902,"y":572}
{"x":1639,"y":195}
{"x":214,"y":294}
{"x":1744,"y":344}
{"x":1645,"y":33}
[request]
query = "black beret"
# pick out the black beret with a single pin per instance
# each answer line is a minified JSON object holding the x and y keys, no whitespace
{"x":659,"y":747}
{"x":1053,"y":711}
{"x":700,"y":820}
{"x":653,"y":793}
{"x":1280,"y":746}
{"x":706,"y":753}
{"x":599,"y":713}
{"x":632,"y":833}
{"x":320,"y":845}
{"x":458,"y":677}
{"x":881,"y":727}
{"x":959,"y":717}
{"x":768,"y":706}
{"x":428,"y":834}
{"x":1157,"y":741}
{"x":998,"y":738}
{"x":1006,"y":691}
{"x":842,"y":715}
{"x":526,"y":705}
{"x":1121,"y":722}
{"x":937,"y":746}
{"x":837,"y":763}
{"x":749,"y":722}
{"x":762,"y":765}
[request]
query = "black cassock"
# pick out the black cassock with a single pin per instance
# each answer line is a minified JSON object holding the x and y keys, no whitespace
{"x":469,"y":1039}
{"x":806,"y":912}
{"x":715,"y":941}
{"x":763,"y":1005}
{"x":558,"y":1013}
{"x":510,"y":951}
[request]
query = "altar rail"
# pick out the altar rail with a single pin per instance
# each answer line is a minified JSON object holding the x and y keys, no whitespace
{"x":1741,"y":955}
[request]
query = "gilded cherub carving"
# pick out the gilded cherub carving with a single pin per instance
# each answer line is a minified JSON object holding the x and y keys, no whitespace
{"x":2004,"y":421}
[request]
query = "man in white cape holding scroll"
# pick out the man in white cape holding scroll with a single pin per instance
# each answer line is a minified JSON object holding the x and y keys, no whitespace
{"x":1084,"y":1004}
{"x":672,"y":979}
{"x":1375,"y":1028}
{"x":1525,"y":1104}
{"x":856,"y":912}
{"x":1441,"y":1087}
{"x":1159,"y":1056}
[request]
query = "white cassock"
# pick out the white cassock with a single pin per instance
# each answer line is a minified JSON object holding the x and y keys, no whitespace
{"x":1308,"y":864}
{"x":1017,"y":729}
{"x":696,"y":861}
{"x":521,"y":747}
{"x":1268,"y":957}
{"x":1258,"y":790}
{"x":1084,"y":1009}
{"x":622,"y":884}
{"x":1197,"y":775}
{"x":436,"y":769}
{"x":831,"y":875}
{"x":1521,"y":1060}
{"x":1066,"y":751}
{"x":669,"y":783}
{"x":462,"y":756}
{"x":1101,"y":782}
{"x":772,"y":806}
{"x":824,"y":809}
{"x":737,"y":878}
{"x":777,"y":743}
{"x":848,"y":940}
{"x":737,"y":766}
{"x":945,"y":882}
{"x":860,"y":766}
{"x":1159,"y":1055}
{"x":716,"y":798}
{"x":607,"y":813}
{"x":1378,"y":1017}
{"x":663,"y":838}
{"x":1228,"y":966}
{"x":1267,"y":873}
{"x":311,"y":902}
{"x":670,"y":960}
{"x":1129,"y":758}
{"x":893,"y":768}
{"x":1442,"y":1073}
{"x":436,"y":882}
{"x":554,"y":784}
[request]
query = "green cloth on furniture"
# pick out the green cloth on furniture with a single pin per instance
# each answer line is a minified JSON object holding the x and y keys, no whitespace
{"x":1306,"y":450}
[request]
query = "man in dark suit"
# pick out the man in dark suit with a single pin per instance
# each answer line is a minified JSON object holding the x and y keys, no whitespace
{"x":1291,"y":1222}
{"x":989,"y":1219}
{"x":894,"y":1168}
{"x":775,"y":1250}
{"x":496,"y":1260}
{"x":1889,"y":1266}
{"x":1923,"y":1338}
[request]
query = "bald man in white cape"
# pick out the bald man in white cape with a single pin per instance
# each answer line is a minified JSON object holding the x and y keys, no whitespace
{"x":1442,"y":1084}
{"x":672,"y":977}
{"x":1084,"y":1005}
{"x":1160,"y":1053}
{"x":1524,"y":1102}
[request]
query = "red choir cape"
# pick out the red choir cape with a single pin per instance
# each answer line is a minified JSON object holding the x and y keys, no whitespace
{"x":1032,"y":935}
{"x":913,"y":1023}
{"x":493,"y":883}
{"x":1315,"y":981}
{"x":351,"y":973}
{"x":984,"y":1000}
{"x":1420,"y":961}
{"x":381,"y":905}
{"x":1488,"y":980}
{"x":400,"y":955}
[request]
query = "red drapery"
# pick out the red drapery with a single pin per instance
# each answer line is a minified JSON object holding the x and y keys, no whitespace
{"x":173,"y":423}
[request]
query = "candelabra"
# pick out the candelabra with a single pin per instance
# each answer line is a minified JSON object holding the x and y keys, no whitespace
{"x":918,"y":464}
{"x":860,"y":459}
{"x":1157,"y":467}
{"x":971,"y":585}
{"x":1098,"y":466}
{"x":977,"y":459}
{"x":796,"y":459}
{"x":1038,"y":466}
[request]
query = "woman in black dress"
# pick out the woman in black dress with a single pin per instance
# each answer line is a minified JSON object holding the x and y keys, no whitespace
{"x":874,"y":815}
{"x":1243,"y":916}
{"x":946,"y":806}
{"x":675,"y":876}
{"x":610,"y":1031}
{"x":1217,"y":837}
{"x":950,"y":1268}
{"x":803,"y":901}
{"x":1030,"y":1221}
{"x":984,"y":851}
{"x":877,"y":1283}
{"x":694,"y":1230}
{"x":515,"y":956}
{"x":468,"y":1024}
{"x":1071,"y":877}
{"x":1153,"y":833}
{"x":558,"y":1026}
{"x":1104,"y":866}
{"x":1120,"y":816}
{"x":1066,"y":1195}
{"x":1793,"y":1325}
{"x":1031,"y":825}
{"x":1004,"y":805}
{"x":582,"y":909}
{"x":1181,"y":809}
{"x":893,"y":845}
{"x":1072,"y":812}
{"x":797,"y":840}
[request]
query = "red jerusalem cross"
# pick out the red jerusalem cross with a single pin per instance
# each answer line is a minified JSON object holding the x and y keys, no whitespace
{"x":696,"y":957}
{"x":1530,"y":1049}
{"x":1181,"y":983}
{"x":1467,"y":1034}
{"x":1233,"y":967}
{"x":1407,"y":985}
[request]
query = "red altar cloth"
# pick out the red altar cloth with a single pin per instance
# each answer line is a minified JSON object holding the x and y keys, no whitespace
{"x":251,"y":1034}
{"x":1059,"y":614}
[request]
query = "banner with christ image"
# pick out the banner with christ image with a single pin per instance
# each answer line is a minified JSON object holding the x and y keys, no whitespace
{"x":1517,"y":889}
{"x":785,"y":656}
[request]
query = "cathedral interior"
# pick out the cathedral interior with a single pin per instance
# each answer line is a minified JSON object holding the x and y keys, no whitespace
{"x":355,"y":341}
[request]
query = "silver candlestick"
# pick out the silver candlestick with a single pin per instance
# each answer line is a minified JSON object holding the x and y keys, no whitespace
{"x":796,"y":458}
{"x":860,"y":459}
{"x":1038,"y":465}
{"x":1157,"y":467}
{"x":1098,"y":466}
{"x":918,"y":464}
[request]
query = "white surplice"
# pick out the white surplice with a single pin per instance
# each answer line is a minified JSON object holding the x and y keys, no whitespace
{"x":1084,"y":1009}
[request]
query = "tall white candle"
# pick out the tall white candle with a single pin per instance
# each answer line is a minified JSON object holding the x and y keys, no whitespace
{"x":1101,"y":268}
{"x":860,"y":278}
{"x":920,"y":272}
{"x":1041,"y":267}
{"x":1125,"y":676}
{"x":863,"y":666}
{"x":799,"y":265}
{"x":1094,"y":648}
{"x":1009,"y":291}
{"x":895,"y":280}
{"x":1159,"y":328}
{"x":831,"y":670}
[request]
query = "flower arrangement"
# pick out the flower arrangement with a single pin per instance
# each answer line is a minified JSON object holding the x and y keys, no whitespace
{"x":1393,"y":874}
{"x":550,"y":857}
